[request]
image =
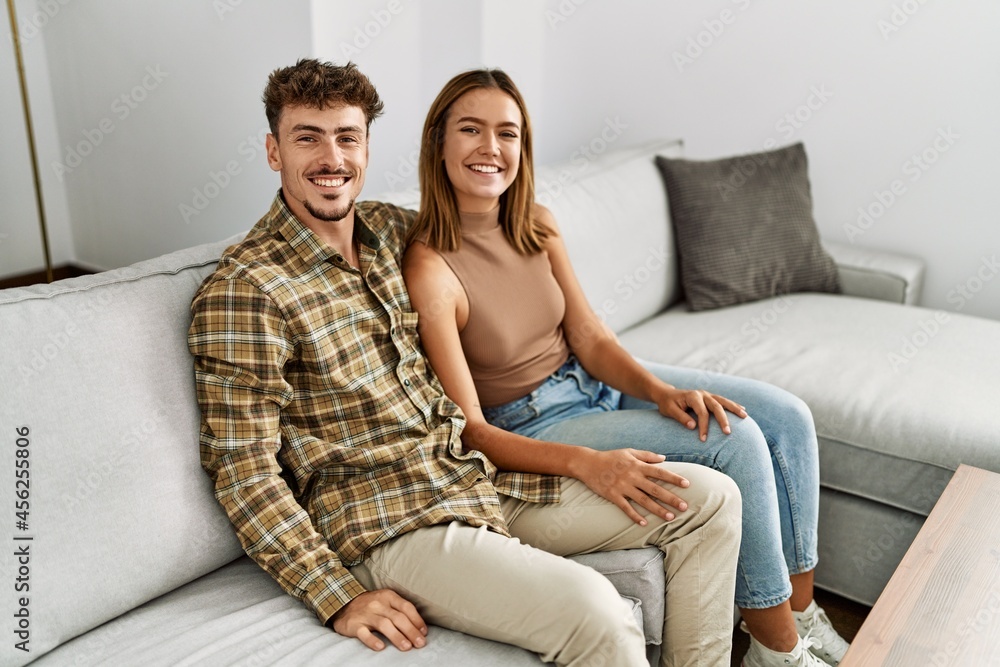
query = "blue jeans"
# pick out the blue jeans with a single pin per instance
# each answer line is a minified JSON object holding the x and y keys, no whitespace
{"x":771,"y":455}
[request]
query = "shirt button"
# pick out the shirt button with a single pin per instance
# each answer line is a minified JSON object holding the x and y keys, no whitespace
{"x":406,"y":382}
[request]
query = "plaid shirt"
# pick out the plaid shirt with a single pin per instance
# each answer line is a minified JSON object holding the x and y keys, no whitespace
{"x":323,"y":427}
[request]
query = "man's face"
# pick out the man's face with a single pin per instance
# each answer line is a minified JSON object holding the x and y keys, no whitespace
{"x":322,"y":155}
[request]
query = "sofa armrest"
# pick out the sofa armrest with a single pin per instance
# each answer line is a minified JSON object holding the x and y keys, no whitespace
{"x":637,"y":574}
{"x":877,"y":274}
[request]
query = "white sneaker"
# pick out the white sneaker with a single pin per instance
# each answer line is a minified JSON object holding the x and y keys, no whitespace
{"x":814,"y":622}
{"x":761,"y":656}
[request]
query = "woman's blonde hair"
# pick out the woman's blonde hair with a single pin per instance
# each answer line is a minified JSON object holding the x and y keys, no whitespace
{"x":438,"y":219}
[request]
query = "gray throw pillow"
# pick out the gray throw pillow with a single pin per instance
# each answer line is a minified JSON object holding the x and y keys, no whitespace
{"x":745,"y":229}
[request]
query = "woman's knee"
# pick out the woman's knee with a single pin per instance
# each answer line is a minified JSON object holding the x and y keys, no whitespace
{"x":784,"y":412}
{"x":796,"y":410}
{"x":745,"y":432}
{"x":743,"y":452}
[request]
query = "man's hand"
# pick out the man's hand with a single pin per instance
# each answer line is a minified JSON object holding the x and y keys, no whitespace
{"x":382,"y":611}
{"x":675,"y":403}
{"x":624,"y":476}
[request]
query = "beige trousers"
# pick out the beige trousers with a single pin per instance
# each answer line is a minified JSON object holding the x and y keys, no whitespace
{"x":481,"y":583}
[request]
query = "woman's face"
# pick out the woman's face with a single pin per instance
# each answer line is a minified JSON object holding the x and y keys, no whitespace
{"x":482,"y":147}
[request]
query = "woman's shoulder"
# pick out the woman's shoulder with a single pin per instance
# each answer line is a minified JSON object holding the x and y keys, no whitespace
{"x":542,"y":214}
{"x":424,"y":265}
{"x":429,"y":280}
{"x":544,"y":218}
{"x":418,"y":255}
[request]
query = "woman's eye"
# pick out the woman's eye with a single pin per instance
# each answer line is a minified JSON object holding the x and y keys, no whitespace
{"x":470,"y":130}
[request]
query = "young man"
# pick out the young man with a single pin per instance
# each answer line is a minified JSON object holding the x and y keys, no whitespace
{"x":338,"y":457}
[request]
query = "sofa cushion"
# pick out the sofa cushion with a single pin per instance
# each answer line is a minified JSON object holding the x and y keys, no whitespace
{"x":622,"y":246}
{"x":238,"y":615}
{"x":745,"y":229}
{"x":97,"y":369}
{"x":888,"y":384}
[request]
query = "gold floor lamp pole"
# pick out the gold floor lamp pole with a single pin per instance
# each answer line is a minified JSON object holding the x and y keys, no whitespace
{"x":31,"y":137}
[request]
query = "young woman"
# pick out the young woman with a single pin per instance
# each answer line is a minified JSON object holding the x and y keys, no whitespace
{"x":547,"y":388}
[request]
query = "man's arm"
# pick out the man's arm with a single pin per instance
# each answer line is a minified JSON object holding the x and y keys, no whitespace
{"x":240,"y":345}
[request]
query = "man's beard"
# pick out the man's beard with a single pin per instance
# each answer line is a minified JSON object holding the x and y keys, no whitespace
{"x":329,"y":216}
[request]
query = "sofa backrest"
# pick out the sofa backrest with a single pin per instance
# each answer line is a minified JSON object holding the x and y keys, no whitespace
{"x":612,"y":211}
{"x":97,"y":372}
{"x":97,"y":375}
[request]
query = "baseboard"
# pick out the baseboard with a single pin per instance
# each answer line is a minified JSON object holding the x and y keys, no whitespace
{"x":36,"y":277}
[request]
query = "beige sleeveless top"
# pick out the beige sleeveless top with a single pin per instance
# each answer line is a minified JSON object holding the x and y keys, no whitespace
{"x":513,"y":339}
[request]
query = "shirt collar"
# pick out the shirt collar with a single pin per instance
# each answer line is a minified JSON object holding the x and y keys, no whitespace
{"x":304,"y":242}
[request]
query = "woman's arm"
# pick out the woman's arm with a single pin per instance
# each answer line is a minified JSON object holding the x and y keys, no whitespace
{"x":443,"y":308}
{"x":604,"y":358}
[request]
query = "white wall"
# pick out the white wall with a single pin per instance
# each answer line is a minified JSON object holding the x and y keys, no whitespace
{"x":893,"y":83}
{"x":409,"y":49}
{"x":886,"y":95}
{"x":159,"y":124}
{"x":21,"y":249}
{"x":870,"y":87}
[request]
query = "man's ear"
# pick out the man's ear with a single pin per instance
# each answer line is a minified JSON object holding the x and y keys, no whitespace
{"x":273,"y":157}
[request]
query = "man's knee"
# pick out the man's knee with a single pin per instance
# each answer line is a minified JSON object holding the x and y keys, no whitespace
{"x":603,"y":626}
{"x":713,"y":494}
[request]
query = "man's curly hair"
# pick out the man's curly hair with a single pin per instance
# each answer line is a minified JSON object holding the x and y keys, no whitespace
{"x":320,"y":85}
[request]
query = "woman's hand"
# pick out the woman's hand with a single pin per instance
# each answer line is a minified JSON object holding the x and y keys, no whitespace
{"x":626,"y":476}
{"x":675,"y":403}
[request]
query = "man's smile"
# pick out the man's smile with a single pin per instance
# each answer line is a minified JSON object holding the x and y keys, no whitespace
{"x":328,"y":183}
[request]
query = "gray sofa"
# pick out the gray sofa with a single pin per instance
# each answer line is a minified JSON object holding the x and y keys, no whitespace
{"x":132,"y":560}
{"x":901,"y":395}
